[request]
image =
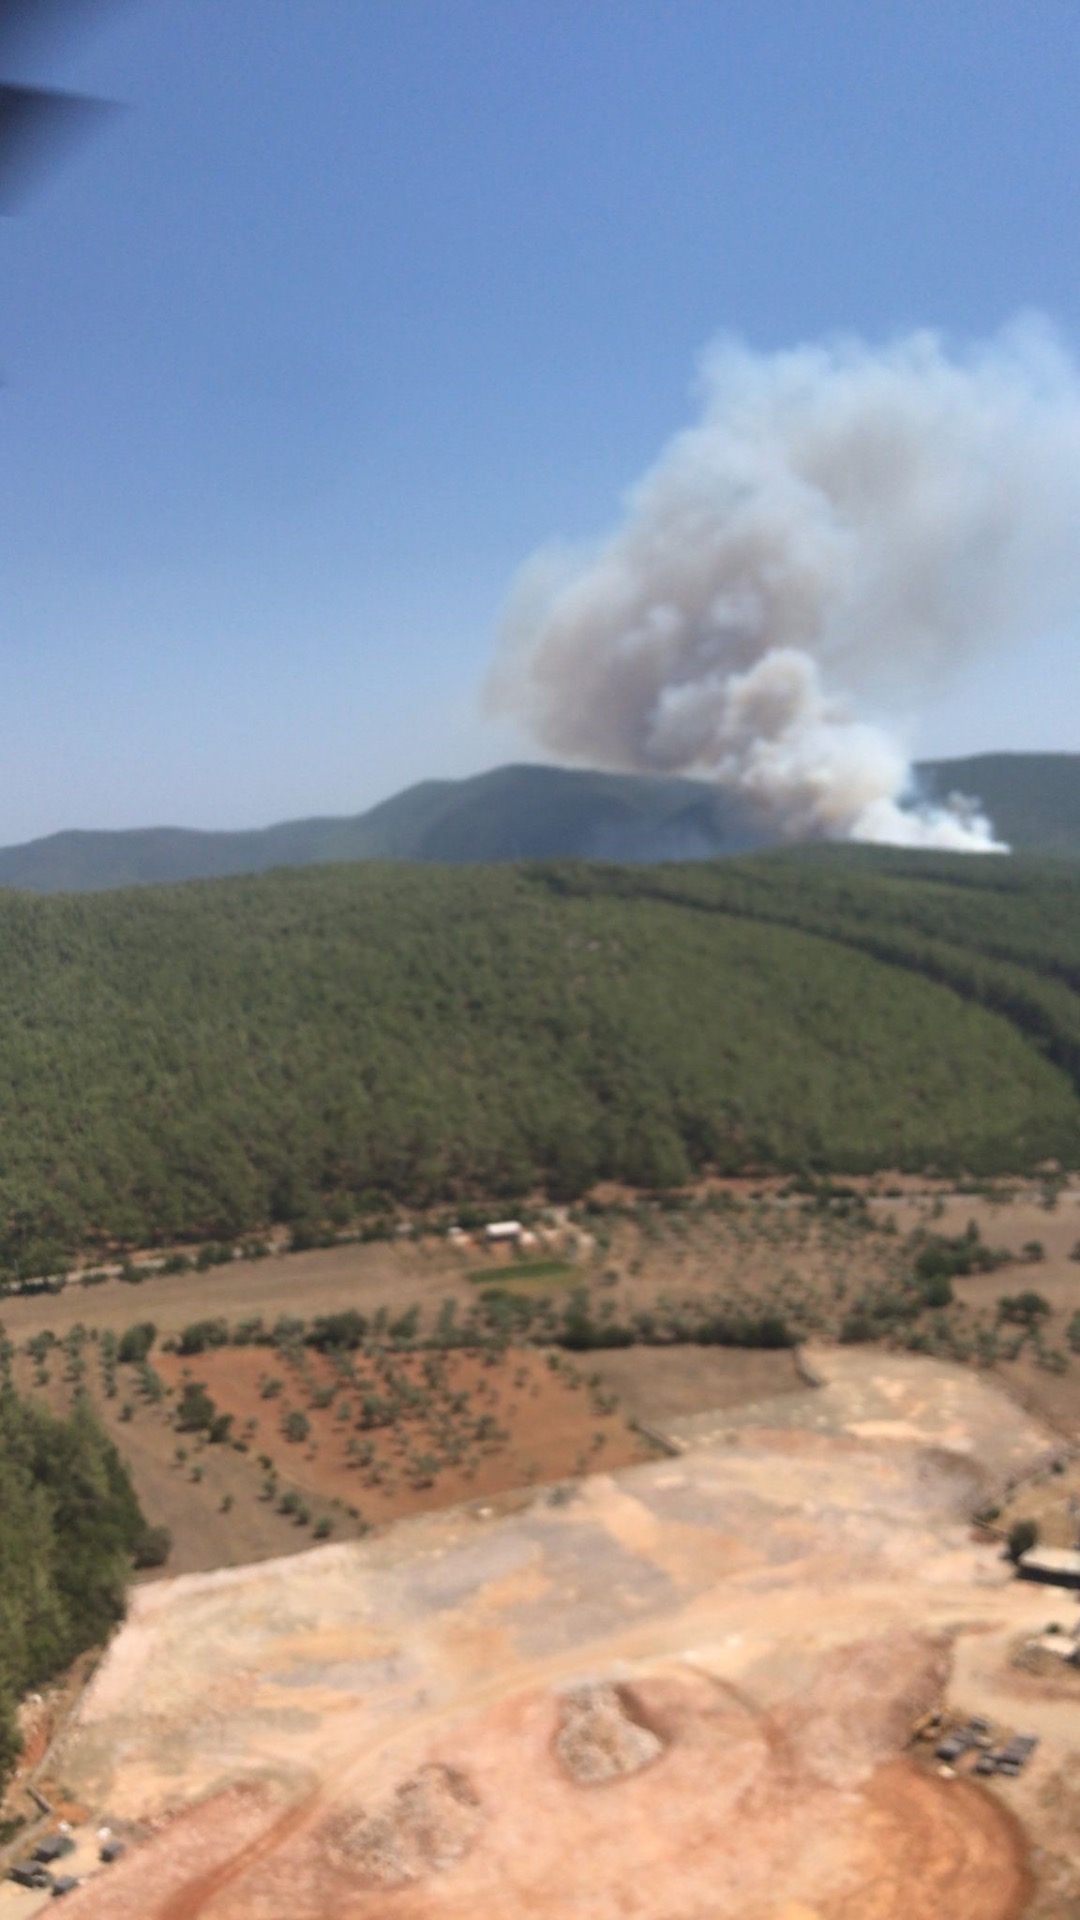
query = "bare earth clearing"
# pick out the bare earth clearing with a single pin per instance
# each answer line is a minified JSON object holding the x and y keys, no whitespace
{"x":762,"y":1248}
{"x":681,"y":1692}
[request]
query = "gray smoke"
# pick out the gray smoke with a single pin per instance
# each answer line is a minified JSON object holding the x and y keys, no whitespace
{"x":843,"y":529}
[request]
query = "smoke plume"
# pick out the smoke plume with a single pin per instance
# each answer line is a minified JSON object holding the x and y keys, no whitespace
{"x":844,"y":528}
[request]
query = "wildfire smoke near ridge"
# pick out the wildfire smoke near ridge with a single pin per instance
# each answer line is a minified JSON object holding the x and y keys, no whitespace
{"x":844,"y":528}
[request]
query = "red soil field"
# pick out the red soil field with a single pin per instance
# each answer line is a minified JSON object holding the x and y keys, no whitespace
{"x":399,"y":1433}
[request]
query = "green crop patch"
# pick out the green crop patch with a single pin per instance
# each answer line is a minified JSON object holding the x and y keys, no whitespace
{"x":549,"y":1272}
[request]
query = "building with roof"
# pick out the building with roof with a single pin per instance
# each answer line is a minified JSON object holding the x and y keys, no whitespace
{"x":1054,"y":1566}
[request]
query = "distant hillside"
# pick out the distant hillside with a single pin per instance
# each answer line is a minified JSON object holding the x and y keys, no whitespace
{"x":513,"y":813}
{"x":528,"y":813}
{"x":198,"y":1061}
{"x":1033,"y":799}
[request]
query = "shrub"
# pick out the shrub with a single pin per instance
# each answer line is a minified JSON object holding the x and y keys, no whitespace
{"x":216,"y":1253}
{"x":347,"y":1329}
{"x":196,"y":1410}
{"x":136,"y":1342}
{"x":1023,"y":1309}
{"x":937,"y":1291}
{"x":949,"y":1256}
{"x":1023,"y":1534}
{"x":202,"y":1334}
{"x":296,"y":1426}
{"x":287,"y":1330}
{"x":857,"y":1326}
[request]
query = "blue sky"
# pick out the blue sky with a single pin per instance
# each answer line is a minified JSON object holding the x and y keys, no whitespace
{"x":363,"y":300}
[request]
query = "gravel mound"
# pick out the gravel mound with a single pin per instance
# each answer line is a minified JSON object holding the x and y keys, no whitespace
{"x":598,"y":1739}
{"x":430,"y":1823}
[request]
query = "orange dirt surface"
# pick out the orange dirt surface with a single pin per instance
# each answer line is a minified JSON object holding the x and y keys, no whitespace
{"x":480,"y":1425}
{"x":684,"y":1692}
{"x":729,"y":1821}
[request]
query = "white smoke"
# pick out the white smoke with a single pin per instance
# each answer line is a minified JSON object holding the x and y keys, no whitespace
{"x":844,"y":528}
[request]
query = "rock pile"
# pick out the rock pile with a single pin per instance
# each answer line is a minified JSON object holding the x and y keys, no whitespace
{"x":430,"y":1823}
{"x":598,"y":1738}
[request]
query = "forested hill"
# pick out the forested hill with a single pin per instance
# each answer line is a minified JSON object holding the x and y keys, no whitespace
{"x":513,"y":813}
{"x":1032,"y":798}
{"x":529,"y":813}
{"x":201,"y":1060}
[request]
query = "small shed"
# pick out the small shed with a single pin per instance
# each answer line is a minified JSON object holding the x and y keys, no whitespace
{"x":503,"y":1232}
{"x":1054,"y":1566}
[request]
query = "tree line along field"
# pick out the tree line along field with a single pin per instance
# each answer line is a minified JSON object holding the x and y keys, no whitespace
{"x":375,"y":1381}
{"x":308,"y":1047}
{"x":71,"y":1531}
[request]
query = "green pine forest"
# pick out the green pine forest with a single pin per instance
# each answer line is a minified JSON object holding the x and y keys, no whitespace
{"x":71,"y":1530}
{"x":201,"y":1060}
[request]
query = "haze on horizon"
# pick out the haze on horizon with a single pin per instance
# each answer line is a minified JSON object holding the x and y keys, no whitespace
{"x":309,"y":351}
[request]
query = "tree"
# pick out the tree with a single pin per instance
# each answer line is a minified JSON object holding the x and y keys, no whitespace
{"x":136,"y":1342}
{"x":153,"y":1547}
{"x":1023,"y":1535}
{"x":1023,"y":1309}
{"x":196,"y":1409}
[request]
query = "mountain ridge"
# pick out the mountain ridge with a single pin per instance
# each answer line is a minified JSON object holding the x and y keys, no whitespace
{"x":527,"y":812}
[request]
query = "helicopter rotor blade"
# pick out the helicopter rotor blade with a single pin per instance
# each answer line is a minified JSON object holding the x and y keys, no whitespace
{"x":37,"y":126}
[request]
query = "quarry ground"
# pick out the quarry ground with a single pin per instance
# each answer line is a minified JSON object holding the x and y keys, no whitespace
{"x":683,"y":1691}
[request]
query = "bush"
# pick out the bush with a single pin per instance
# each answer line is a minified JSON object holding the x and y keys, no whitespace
{"x":136,"y":1342}
{"x":1023,"y":1309}
{"x":347,"y":1330}
{"x":944,"y":1256}
{"x":202,"y":1334}
{"x":1023,"y":1534}
{"x":196,"y":1410}
{"x":153,"y":1548}
{"x":938,"y":1291}
{"x":216,"y":1253}
{"x":296,"y":1426}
